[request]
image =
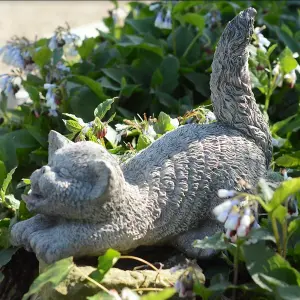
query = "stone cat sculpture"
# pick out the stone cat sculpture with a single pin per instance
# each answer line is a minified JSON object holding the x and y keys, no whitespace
{"x":86,"y":202}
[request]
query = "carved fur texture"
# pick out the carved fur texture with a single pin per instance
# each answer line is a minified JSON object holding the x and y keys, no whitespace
{"x":86,"y":202}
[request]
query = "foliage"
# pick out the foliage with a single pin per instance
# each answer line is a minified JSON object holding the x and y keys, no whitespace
{"x":127,"y":87}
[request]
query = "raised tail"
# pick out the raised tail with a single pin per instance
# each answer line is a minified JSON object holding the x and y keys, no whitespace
{"x":233,"y":101}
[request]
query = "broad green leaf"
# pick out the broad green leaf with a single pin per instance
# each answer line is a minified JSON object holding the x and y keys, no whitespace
{"x":279,"y":213}
{"x":287,"y":40}
{"x":166,"y":99}
{"x":114,"y":73}
{"x":39,"y":134}
{"x":92,"y":84}
{"x":163,"y":123}
{"x":216,"y":242}
{"x":157,"y":78}
{"x":87,"y":47}
{"x":72,"y":126}
{"x":143,"y":142}
{"x":291,"y":292}
{"x":200,"y":81}
{"x":285,"y":189}
{"x":162,"y":295}
{"x":54,"y":274}
{"x":287,"y":61}
{"x":291,"y":160}
{"x":260,"y":234}
{"x":194,"y":19}
{"x":261,"y":261}
{"x":6,"y":255}
{"x":181,"y":6}
{"x":33,"y":93}
{"x":105,"y":263}
{"x":103,"y":108}
{"x":42,"y":56}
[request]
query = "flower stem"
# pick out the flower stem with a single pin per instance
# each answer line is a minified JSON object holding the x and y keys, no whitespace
{"x":93,"y":281}
{"x":191,"y":44}
{"x":276,"y":234}
{"x":236,"y":269}
{"x":140,"y":260}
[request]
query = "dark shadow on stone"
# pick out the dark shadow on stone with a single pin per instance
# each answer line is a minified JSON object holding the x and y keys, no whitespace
{"x":19,"y":274}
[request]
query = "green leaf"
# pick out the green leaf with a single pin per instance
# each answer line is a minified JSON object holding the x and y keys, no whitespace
{"x":263,"y":264}
{"x":57,"y":55}
{"x":157,"y":78}
{"x":6,"y":255}
{"x":103,"y":108}
{"x":54,"y":274}
{"x":12,"y":202}
{"x":105,"y":263}
{"x":87,"y":47}
{"x":42,"y":56}
{"x":33,"y":93}
{"x":291,"y":160}
{"x":5,"y":222}
{"x":2,"y":172}
{"x":92,"y":84}
{"x":73,"y":126}
{"x":291,"y":292}
{"x":293,"y":226}
{"x":200,"y":81}
{"x":287,"y":40}
{"x":194,"y":19}
{"x":286,"y":189}
{"x":287,"y":61}
{"x":143,"y":142}
{"x":138,"y":42}
{"x":181,"y":6}
{"x":162,"y":295}
{"x":215,"y":241}
{"x":163,"y":123}
{"x":271,"y":49}
{"x":260,"y":234}
{"x":39,"y":134}
{"x":169,"y":69}
{"x":279,"y":213}
{"x":114,"y":74}
{"x":7,"y":182}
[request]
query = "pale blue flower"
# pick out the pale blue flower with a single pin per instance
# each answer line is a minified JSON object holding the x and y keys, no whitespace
{"x":159,"y":20}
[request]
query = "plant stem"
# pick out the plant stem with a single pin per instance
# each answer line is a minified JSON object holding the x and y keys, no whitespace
{"x":276,"y":234}
{"x":93,"y":281}
{"x":191,"y":44}
{"x":140,"y":260}
{"x":147,"y":289}
{"x":236,"y":269}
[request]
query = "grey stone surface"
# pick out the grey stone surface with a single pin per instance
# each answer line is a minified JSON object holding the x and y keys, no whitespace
{"x":86,"y":202}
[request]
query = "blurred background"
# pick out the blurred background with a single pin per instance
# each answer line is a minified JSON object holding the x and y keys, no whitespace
{"x":40,"y":18}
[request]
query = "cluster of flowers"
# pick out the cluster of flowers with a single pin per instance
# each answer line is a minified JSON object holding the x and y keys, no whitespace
{"x":162,"y":21}
{"x":237,"y":214}
{"x":16,"y":53}
{"x":263,"y":43}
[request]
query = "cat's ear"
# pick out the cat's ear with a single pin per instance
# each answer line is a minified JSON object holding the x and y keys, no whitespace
{"x":56,"y":141}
